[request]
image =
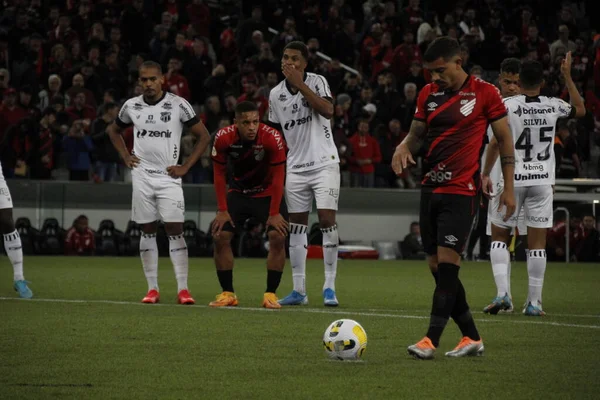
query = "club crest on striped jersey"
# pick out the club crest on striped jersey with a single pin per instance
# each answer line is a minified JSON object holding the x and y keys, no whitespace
{"x":467,"y":108}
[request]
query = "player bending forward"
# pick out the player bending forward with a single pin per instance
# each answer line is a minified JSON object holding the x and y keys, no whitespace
{"x":257,"y":155}
{"x":12,"y":240}
{"x":532,"y":120}
{"x":158,"y":118}
{"x":452,"y":116}
{"x":302,"y":105}
{"x":508,"y":81}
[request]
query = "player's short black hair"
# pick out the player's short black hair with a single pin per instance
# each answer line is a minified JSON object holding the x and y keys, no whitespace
{"x":245,"y":106}
{"x":443,"y":47}
{"x":510,"y":65}
{"x":300,"y":46}
{"x":149,"y":64}
{"x":531,"y":74}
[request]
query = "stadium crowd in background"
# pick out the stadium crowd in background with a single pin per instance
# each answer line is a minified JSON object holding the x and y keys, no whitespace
{"x":66,"y":66}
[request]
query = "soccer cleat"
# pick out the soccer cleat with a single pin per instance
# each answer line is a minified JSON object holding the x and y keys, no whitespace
{"x":151,"y":297}
{"x":329,"y":298}
{"x":225,"y":299}
{"x":270,"y":301}
{"x":294,"y":299}
{"x":23,"y":290}
{"x":422,"y":350}
{"x":467,"y":347}
{"x":533,"y":311}
{"x":498,"y":304}
{"x":184,"y":297}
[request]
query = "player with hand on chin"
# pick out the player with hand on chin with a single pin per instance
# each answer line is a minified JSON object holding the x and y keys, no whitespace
{"x":452,"y":116}
{"x":533,"y":120}
{"x":159,"y":118}
{"x":302,"y":106}
{"x":256,"y":153}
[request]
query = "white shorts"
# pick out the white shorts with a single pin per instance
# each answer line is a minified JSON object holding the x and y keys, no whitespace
{"x":156,"y":197}
{"x":493,"y":206}
{"x":5,"y":199}
{"x":535,"y":202}
{"x":322,"y":184}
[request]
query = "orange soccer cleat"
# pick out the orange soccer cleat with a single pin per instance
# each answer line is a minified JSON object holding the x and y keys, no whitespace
{"x":270,"y":301}
{"x":225,"y":299}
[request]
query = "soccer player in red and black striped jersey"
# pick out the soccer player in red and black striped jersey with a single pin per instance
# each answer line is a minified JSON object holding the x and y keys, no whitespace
{"x":257,"y":155}
{"x":452,"y":116}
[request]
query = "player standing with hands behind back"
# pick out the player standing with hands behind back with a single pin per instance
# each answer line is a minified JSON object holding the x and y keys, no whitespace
{"x":452,"y":116}
{"x":159,"y":118}
{"x":301,"y":106}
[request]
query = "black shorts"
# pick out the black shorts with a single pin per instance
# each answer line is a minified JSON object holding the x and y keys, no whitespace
{"x":241,"y":207}
{"x":446,"y":220}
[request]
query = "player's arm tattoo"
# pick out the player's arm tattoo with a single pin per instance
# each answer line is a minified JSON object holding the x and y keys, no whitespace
{"x":416,"y":136}
{"x":506,"y":149}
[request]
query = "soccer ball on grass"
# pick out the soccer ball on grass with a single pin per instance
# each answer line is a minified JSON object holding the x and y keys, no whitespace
{"x":345,"y":339}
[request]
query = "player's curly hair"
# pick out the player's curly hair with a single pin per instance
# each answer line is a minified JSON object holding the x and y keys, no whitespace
{"x":443,"y":47}
{"x":298,"y":45}
{"x":510,"y":65}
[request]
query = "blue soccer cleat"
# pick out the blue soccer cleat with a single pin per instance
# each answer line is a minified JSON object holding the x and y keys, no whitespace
{"x":533,"y":311}
{"x":503,"y":303}
{"x":294,"y":299}
{"x":23,"y":290}
{"x":329,"y":298}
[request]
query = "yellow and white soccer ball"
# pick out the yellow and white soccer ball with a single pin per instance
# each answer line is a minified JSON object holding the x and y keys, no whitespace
{"x":345,"y":339}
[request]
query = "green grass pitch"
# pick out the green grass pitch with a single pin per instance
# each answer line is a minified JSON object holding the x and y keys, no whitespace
{"x":87,"y":336}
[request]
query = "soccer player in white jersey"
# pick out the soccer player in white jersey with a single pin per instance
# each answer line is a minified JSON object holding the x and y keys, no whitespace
{"x":508,"y":81}
{"x":532,"y":121}
{"x":301,"y":107}
{"x":158,"y":118}
{"x":12,"y":240}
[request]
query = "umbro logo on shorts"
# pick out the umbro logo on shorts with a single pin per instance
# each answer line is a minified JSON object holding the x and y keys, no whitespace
{"x":451,"y":239}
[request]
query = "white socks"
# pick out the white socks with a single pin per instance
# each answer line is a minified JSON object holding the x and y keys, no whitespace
{"x":536,"y":268}
{"x":179,"y":257}
{"x":298,"y":251}
{"x":331,"y":241}
{"x":149,"y":256}
{"x":14,"y":250}
{"x":500,"y":258}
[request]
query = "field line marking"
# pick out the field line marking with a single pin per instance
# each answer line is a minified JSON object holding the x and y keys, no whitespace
{"x":299,"y":309}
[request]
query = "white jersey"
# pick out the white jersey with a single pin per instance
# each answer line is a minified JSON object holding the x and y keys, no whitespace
{"x":496,"y":172}
{"x":308,"y":134}
{"x":157,"y":129}
{"x":532,"y":122}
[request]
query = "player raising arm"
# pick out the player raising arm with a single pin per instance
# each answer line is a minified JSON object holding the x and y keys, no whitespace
{"x":452,"y":115}
{"x":302,"y":106}
{"x":158,"y":118}
{"x":533,"y":124}
{"x":257,"y":154}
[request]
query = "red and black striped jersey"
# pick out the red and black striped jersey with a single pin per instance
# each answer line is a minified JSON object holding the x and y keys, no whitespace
{"x":456,"y":129}
{"x":250,"y":161}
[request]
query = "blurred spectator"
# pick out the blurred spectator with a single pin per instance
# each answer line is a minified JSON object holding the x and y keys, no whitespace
{"x":588,"y":249}
{"x":80,"y":239}
{"x":54,"y":89}
{"x":198,"y":14}
{"x":365,"y":155}
{"x":10,"y":111}
{"x":388,"y":138}
{"x":217,"y":84}
{"x":265,"y":60}
{"x":404,"y":55}
{"x":197,"y":70}
{"x":271,"y":81}
{"x":382,"y":55}
{"x":212,"y":114}
{"x":80,"y":111}
{"x":175,"y":82}
{"x":386,"y":98}
{"x":562,"y":41}
{"x":252,"y":94}
{"x":78,"y":148}
{"x":247,"y":29}
{"x":566,"y":155}
{"x":556,"y":238}
{"x":412,"y":245}
{"x":105,"y":155}
{"x":78,"y":86}
{"x":43,"y":156}
{"x":254,"y":47}
{"x":111,"y":74}
{"x":406,"y":109}
{"x":178,"y":50}
{"x":288,"y":34}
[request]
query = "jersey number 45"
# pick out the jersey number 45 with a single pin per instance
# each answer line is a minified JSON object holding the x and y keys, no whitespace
{"x":524,"y":143}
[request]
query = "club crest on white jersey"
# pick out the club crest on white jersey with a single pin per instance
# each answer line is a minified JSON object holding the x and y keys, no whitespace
{"x":532,"y":122}
{"x":308,"y":134}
